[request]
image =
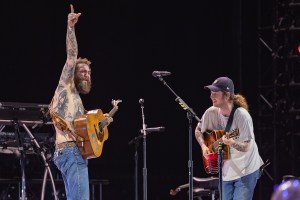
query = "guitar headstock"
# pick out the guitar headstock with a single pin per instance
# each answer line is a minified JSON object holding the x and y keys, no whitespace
{"x":115,"y":102}
{"x":233,"y":134}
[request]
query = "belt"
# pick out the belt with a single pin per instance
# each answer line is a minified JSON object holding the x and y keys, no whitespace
{"x":62,"y":145}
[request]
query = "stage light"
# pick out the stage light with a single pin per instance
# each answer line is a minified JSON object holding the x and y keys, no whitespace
{"x":298,"y":48}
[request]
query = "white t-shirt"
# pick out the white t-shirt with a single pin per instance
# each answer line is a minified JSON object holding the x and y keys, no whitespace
{"x":240,"y":163}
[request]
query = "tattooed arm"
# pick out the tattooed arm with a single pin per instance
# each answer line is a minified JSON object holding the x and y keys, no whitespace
{"x":72,"y":49}
{"x":200,"y":139}
{"x":61,"y":99}
{"x":240,"y":146}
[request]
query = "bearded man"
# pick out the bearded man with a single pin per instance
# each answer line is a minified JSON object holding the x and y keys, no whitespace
{"x":66,"y":105}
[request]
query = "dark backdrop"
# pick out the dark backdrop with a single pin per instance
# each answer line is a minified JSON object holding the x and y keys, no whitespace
{"x":126,"y":40}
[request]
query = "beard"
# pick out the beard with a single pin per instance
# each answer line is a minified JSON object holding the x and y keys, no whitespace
{"x":83,"y":86}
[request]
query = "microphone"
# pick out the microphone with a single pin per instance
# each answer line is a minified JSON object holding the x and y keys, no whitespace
{"x":155,"y":129}
{"x":141,"y":101}
{"x":160,"y":73}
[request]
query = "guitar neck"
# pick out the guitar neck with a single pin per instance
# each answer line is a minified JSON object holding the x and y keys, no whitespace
{"x":113,"y":111}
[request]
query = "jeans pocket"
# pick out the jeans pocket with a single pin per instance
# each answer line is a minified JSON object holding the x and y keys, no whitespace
{"x":76,"y":152}
{"x":78,"y":157}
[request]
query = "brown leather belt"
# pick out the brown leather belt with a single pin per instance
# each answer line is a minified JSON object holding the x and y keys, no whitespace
{"x":62,"y":145}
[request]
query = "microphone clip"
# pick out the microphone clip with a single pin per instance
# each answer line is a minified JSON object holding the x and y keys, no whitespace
{"x":153,"y":130}
{"x":159,"y":74}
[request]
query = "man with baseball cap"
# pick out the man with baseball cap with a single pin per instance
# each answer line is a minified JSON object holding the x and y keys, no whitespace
{"x":240,"y":171}
{"x":221,"y":84}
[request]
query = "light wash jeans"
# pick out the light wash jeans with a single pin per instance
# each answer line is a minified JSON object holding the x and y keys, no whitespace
{"x":74,"y":173}
{"x":241,"y":188}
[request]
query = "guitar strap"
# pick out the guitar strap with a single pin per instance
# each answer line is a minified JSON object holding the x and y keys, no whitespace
{"x":230,"y":119}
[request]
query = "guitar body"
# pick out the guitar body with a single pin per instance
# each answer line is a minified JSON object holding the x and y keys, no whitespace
{"x":94,"y":133}
{"x":212,"y":140}
{"x":211,"y":137}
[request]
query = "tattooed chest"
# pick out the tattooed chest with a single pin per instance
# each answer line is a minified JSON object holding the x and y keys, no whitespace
{"x":69,"y":106}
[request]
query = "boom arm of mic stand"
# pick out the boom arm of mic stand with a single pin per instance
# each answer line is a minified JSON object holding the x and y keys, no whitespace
{"x":180,"y":101}
{"x":186,"y":107}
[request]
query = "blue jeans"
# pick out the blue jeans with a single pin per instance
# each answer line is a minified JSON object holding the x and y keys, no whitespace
{"x":241,"y":188}
{"x":74,"y":172}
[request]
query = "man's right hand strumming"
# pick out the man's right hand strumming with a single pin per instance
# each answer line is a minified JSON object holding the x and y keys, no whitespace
{"x":205,"y":150}
{"x":199,"y":137}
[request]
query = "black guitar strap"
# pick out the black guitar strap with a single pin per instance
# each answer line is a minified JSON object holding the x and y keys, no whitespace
{"x":229,"y":122}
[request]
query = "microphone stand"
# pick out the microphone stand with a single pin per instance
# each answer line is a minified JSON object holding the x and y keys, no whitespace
{"x":144,"y":153}
{"x":135,"y":140}
{"x":220,"y":163}
{"x":190,"y":115}
{"x":136,"y":157}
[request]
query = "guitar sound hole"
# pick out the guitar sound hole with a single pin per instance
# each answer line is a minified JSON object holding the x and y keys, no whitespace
{"x":97,"y":133}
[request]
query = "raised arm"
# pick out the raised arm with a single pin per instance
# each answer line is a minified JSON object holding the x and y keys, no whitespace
{"x":71,"y":42}
{"x":71,"y":47}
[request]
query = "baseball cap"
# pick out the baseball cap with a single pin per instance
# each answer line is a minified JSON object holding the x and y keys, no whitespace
{"x":221,"y":84}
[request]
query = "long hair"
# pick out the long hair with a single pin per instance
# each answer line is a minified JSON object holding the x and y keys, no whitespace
{"x":239,"y":100}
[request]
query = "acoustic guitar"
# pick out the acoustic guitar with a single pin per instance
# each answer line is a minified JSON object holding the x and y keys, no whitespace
{"x":92,"y":128}
{"x":212,"y":140}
